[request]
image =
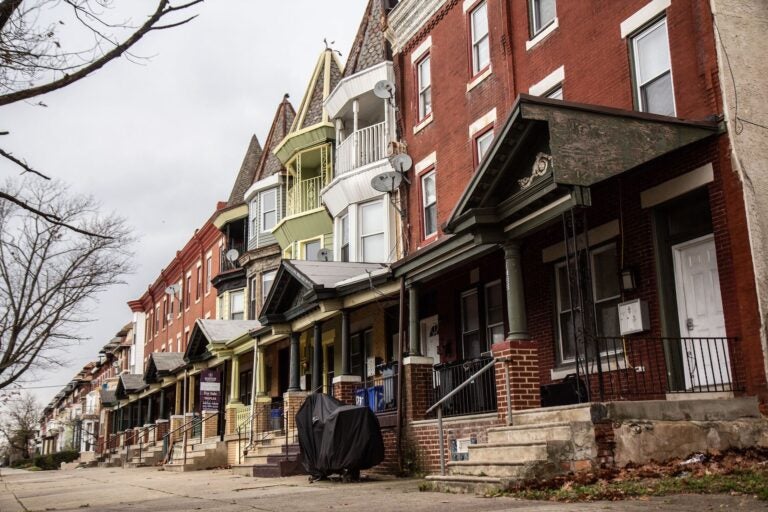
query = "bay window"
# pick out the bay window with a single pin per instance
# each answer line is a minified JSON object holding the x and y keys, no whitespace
{"x":372,"y":222}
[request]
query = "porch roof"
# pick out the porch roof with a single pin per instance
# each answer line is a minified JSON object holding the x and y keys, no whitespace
{"x":129,"y":383}
{"x":208,"y":332}
{"x":549,"y":148}
{"x":163,"y":363}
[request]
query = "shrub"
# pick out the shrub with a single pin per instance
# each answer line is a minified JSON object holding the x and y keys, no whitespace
{"x":54,"y":460}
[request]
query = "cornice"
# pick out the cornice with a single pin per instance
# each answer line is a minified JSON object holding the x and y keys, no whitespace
{"x":407,"y":18}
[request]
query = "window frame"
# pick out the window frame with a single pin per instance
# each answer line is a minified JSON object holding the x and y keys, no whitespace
{"x":637,"y":87}
{"x":262,"y":212}
{"x":420,"y":106}
{"x":265,"y":293}
{"x":485,"y":132}
{"x":232,"y":295}
{"x":199,"y":283}
{"x":429,"y":172}
{"x":344,"y":229}
{"x":208,"y":272}
{"x":535,"y":25}
{"x":475,"y":68}
{"x":252,"y":298}
{"x":304,"y":243}
{"x":488,"y":325}
{"x":550,"y":94}
{"x":361,"y":236}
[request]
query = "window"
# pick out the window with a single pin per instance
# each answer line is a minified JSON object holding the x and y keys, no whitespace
{"x":268,"y":201}
{"x":556,"y":93}
{"x":345,"y":238}
{"x":267,"y":278}
{"x":170,"y":308}
{"x":188,"y":292}
{"x":481,"y":53}
{"x":652,"y":70}
{"x":471,"y":344}
{"x":429,"y":203}
{"x":372,"y":219}
{"x":252,"y":297}
{"x":246,"y":386}
{"x":199,"y":287}
{"x":208,"y":272}
{"x":606,"y":293}
{"x":311,"y":249}
{"x":483,"y":144}
{"x":494,"y":312}
{"x":157,"y":319}
{"x":165,"y":313}
{"x":236,"y":306}
{"x":543,"y":13}
{"x":424,"y":79}
{"x":254,"y":209}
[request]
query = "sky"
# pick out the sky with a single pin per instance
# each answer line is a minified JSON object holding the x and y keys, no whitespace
{"x":159,"y":142}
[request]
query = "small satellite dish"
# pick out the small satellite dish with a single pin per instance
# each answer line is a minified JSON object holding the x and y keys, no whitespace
{"x":173,"y":289}
{"x":384,"y":89}
{"x":401,"y":163}
{"x":324,"y":255}
{"x":387,"y":181}
{"x":232,"y":255}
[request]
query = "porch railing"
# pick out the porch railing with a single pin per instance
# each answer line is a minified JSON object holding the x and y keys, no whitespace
{"x":636,"y":368}
{"x":379,"y":393}
{"x":226,"y":265}
{"x":362,"y":147}
{"x":304,"y":195}
{"x":462,"y":390}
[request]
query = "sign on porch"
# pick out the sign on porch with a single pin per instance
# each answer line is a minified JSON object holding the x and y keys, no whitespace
{"x":210,"y":390}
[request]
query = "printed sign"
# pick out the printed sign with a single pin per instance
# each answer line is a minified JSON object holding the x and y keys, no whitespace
{"x":210,"y":390}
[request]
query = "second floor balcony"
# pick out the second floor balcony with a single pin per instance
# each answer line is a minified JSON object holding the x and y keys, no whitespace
{"x":362,"y":147}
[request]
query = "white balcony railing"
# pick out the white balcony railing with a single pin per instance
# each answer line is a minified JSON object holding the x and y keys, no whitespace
{"x":361,"y":148}
{"x":304,"y":195}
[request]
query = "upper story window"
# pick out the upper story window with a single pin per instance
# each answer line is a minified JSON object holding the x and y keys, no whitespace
{"x":267,"y":278}
{"x":311,"y":250}
{"x":268,"y":210}
{"x":555,"y":94}
{"x":372,"y":217}
{"x":483,"y":144}
{"x":653,"y":70}
{"x":208,"y":273}
{"x":424,"y":79}
{"x":344,"y":221}
{"x":253,"y":291}
{"x":236,"y":305}
{"x":199,"y":284}
{"x":429,"y":203}
{"x":543,"y":13}
{"x":188,"y":292}
{"x":481,"y":51}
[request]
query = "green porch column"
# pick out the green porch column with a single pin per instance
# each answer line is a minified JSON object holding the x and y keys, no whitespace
{"x":414,"y":344}
{"x":317,"y":358}
{"x":234,"y":381}
{"x":518,"y":324}
{"x":261,"y":373}
{"x":293,"y":383}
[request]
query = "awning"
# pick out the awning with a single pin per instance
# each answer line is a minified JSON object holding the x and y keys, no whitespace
{"x":161,"y":364}
{"x":208,"y":332}
{"x":129,"y":383}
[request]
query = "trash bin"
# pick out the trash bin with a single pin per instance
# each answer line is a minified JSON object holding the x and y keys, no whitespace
{"x":360,"y":397}
{"x":376,"y":398}
{"x":276,"y":419}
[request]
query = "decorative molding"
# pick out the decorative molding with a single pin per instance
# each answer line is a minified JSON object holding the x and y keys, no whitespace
{"x":407,"y":18}
{"x":541,"y":166}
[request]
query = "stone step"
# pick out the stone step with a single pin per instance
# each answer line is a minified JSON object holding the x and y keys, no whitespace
{"x":257,"y":470}
{"x":557,"y":431}
{"x":468,"y":484}
{"x":564,"y":413}
{"x":508,"y":470}
{"x":507,"y":452}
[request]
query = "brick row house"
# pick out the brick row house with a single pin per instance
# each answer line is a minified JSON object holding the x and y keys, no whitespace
{"x":498,"y":242}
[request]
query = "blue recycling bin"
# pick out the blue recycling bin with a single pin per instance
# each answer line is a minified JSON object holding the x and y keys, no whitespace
{"x":276,"y":418}
{"x":376,"y":398}
{"x":360,"y":396}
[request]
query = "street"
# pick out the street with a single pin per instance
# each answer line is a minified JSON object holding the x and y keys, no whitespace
{"x":116,"y":489}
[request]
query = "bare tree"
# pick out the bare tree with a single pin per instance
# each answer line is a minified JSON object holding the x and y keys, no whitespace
{"x":50,"y":274}
{"x":46,"y":45}
{"x":18,"y":425}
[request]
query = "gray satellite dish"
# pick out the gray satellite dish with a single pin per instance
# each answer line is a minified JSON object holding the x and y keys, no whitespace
{"x":232,"y":255}
{"x":401,"y":163}
{"x":384,"y":89}
{"x":387,"y":181}
{"x":173,"y":289}
{"x":324,"y":255}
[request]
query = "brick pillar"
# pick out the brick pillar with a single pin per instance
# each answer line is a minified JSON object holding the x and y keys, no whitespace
{"x":418,"y":387}
{"x":231,"y":414}
{"x":177,"y":420}
{"x":163,"y":427}
{"x":292,"y":401}
{"x":522,"y":358}
{"x":261,"y":415}
{"x":210,"y":424}
{"x":149,"y":433}
{"x":344,"y":387}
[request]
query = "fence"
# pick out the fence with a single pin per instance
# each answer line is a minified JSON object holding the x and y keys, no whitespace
{"x":477,"y":397}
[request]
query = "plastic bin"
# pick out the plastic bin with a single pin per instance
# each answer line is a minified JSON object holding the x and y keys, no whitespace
{"x":276,"y":419}
{"x":376,"y":398}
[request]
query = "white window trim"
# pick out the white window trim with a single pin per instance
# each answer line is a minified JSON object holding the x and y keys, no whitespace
{"x":480,"y":78}
{"x":233,"y":294}
{"x":423,"y":124}
{"x":303,"y":245}
{"x":384,"y":232}
{"x":208,"y":272}
{"x":482,"y":123}
{"x":638,"y":86}
{"x":261,"y":281}
{"x":542,"y":34}
{"x":643,"y":16}
{"x":426,"y":162}
{"x":476,"y":142}
{"x":676,"y":187}
{"x":422,"y":177}
{"x":488,"y":325}
{"x":262,"y":212}
{"x":420,"y":90}
{"x":420,"y":50}
{"x":549,"y":82}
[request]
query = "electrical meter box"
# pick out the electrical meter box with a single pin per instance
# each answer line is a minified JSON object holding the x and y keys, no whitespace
{"x":633,"y":317}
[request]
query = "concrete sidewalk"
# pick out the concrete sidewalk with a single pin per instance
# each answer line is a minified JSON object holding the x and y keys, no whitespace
{"x":148,"y":489}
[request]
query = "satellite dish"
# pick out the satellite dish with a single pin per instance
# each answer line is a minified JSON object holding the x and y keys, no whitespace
{"x":387,"y":181}
{"x":324,"y":255}
{"x":384,"y":89}
{"x":172,"y":289}
{"x":401,"y":163}
{"x":232,"y":255}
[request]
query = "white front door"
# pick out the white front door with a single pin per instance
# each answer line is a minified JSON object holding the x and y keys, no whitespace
{"x":700,"y":309}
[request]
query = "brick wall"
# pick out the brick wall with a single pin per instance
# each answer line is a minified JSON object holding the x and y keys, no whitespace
{"x":522,"y":361}
{"x":345,"y":392}
{"x":416,"y":393}
{"x":210,"y":424}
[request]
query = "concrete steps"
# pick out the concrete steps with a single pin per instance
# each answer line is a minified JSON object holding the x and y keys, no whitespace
{"x":150,"y":456}
{"x":270,"y":461}
{"x":200,"y":456}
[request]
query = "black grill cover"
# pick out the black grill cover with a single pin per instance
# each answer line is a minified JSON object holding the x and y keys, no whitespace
{"x":334,"y":437}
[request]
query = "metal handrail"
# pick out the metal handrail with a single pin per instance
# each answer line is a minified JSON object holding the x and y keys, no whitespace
{"x":439,"y":404}
{"x":168,"y":447}
{"x":141,"y":439}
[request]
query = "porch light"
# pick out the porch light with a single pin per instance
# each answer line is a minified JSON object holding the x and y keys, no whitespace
{"x":628,"y":279}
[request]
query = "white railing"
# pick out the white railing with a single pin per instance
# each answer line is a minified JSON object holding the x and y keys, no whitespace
{"x":361,"y":148}
{"x":305,"y":195}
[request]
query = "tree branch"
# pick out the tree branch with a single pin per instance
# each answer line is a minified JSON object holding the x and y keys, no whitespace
{"x":53,"y":219}
{"x":22,"y":164}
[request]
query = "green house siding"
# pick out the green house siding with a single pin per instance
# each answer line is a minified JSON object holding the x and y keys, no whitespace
{"x":306,"y":226}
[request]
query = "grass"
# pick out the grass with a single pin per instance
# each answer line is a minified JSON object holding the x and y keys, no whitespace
{"x":753,"y":482}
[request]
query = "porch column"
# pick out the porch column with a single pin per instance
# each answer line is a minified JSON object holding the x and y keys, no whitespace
{"x":149,"y":410}
{"x":414,"y":344}
{"x":162,"y":404}
{"x":293,"y":383}
{"x":317,"y":358}
{"x":518,"y":325}
{"x":234,"y":381}
{"x":344,"y":342}
{"x":261,"y":373}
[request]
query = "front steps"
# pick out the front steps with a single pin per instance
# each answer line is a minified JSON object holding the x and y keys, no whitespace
{"x":540,"y":444}
{"x":205,"y":454}
{"x":150,"y":456}
{"x":270,"y":457}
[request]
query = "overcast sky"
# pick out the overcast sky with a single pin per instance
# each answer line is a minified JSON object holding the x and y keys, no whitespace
{"x":161,"y":142}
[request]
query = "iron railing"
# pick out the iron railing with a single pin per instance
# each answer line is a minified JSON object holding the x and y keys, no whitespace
{"x":304,"y":195}
{"x":379,"y":393}
{"x":477,"y":393}
{"x":192,"y":429}
{"x":362,"y":147}
{"x":266,"y":419}
{"x":224,"y":264}
{"x":642,"y":368}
